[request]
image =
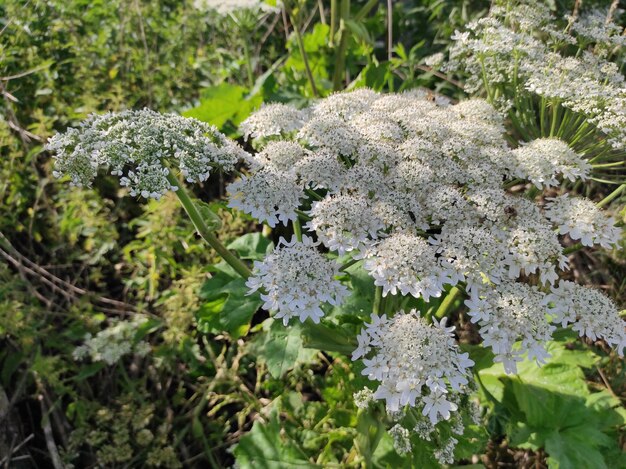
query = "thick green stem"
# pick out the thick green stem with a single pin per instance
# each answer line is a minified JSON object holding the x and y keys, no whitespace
{"x":204,"y":231}
{"x":307,"y":68}
{"x":297,"y":229}
{"x":333,"y":22}
{"x":447,"y":302}
{"x":340,"y":55}
{"x":378,"y":297}
{"x":365,"y":9}
{"x":249,"y":70}
{"x":611,"y":196}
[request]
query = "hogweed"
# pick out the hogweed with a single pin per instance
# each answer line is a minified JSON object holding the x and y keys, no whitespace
{"x":551,"y":78}
{"x":414,"y":190}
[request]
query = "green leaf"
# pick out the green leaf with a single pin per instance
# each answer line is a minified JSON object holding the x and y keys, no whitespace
{"x":359,"y":30}
{"x":570,"y":450}
{"x":265,"y":447}
{"x":227,"y":307}
{"x":328,"y":337}
{"x":223,"y":103}
{"x":212,"y":221}
{"x":252,"y":246}
{"x":282,"y":348}
{"x":361,"y":299}
{"x":551,"y":407}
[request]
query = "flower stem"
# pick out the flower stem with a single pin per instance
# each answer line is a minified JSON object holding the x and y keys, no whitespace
{"x":248,"y":60}
{"x":573,"y":248}
{"x":296,"y":30}
{"x":447,"y":302}
{"x":378,"y":297}
{"x":611,"y":196}
{"x":348,"y":264}
{"x":340,"y":54}
{"x":204,"y":231}
{"x":297,"y":229}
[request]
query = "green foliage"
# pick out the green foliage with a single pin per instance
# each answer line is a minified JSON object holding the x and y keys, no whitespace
{"x":551,"y":407}
{"x":265,"y":447}
{"x":219,"y":373}
{"x":224,"y":103}
{"x":227,"y":306}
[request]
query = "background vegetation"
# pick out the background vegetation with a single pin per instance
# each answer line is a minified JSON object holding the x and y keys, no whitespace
{"x":175,"y":385}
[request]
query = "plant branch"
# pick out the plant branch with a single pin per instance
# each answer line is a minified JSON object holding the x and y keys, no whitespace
{"x":447,"y":302}
{"x":204,"y":231}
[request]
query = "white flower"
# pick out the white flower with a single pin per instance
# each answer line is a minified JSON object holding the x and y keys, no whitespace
{"x":407,"y":264}
{"x":410,"y":358}
{"x":268,"y":195}
{"x":345,"y":105}
{"x":296,"y":280}
{"x":331,"y":133}
{"x":321,"y":170}
{"x":436,"y":405}
{"x":582,"y":219}
{"x":344,"y":222}
{"x":401,"y":439}
{"x":114,"y":342}
{"x":280,"y":155}
{"x":542,"y":160}
{"x":273,"y":120}
{"x":225,"y":7}
{"x":507,"y":313}
{"x":140,"y":147}
{"x":593,"y":314}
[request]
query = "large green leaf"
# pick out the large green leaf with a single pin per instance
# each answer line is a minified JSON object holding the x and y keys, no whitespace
{"x":551,"y":407}
{"x":265,"y":447}
{"x":251,"y":246}
{"x":223,"y":103}
{"x":226,"y":306}
{"x":282,"y":347}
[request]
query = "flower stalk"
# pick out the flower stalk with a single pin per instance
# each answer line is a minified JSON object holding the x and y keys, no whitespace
{"x":203,"y":229}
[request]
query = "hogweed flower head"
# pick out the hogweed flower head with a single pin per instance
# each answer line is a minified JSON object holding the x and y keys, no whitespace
{"x":140,"y":147}
{"x":225,"y":7}
{"x":414,"y":187}
{"x":114,"y":342}
{"x":582,"y":220}
{"x":521,"y":50}
{"x":510,"y":313}
{"x":296,"y":280}
{"x":416,"y":363}
{"x":592,"y":313}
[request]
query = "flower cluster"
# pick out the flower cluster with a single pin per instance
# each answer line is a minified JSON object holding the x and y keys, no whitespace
{"x":225,"y":7}
{"x":416,"y":363}
{"x":296,"y":279}
{"x":590,"y":311}
{"x":140,"y":147}
{"x":415,"y":188}
{"x":582,"y":219}
{"x":507,"y":314}
{"x":111,"y":344}
{"x":519,"y":49}
{"x":542,"y":160}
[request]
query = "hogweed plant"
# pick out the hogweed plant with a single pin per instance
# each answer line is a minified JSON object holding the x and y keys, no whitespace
{"x":415,"y":193}
{"x":552,"y":78}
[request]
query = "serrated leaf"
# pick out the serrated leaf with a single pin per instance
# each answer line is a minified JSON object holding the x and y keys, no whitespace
{"x":252,"y":246}
{"x":265,"y":447}
{"x":282,"y":348}
{"x":223,"y":103}
{"x":227,"y":306}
